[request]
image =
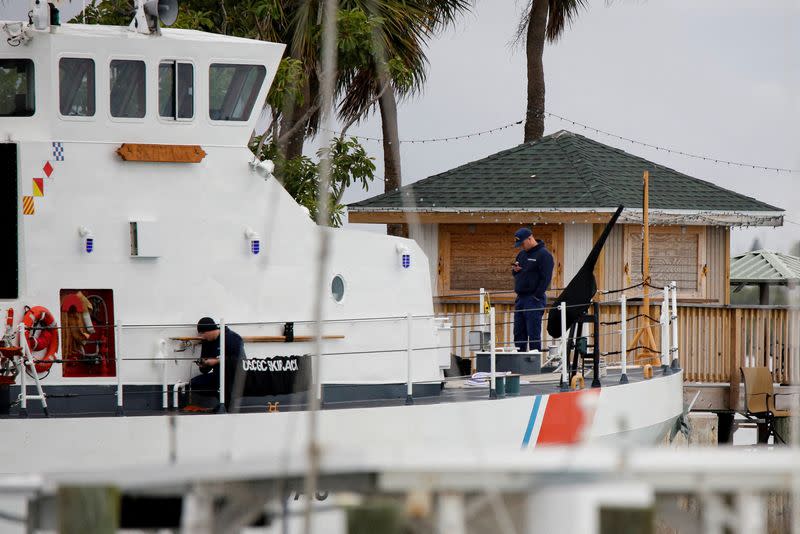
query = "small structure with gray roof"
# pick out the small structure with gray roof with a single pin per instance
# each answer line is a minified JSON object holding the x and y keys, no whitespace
{"x":565,"y":187}
{"x":764,"y":268}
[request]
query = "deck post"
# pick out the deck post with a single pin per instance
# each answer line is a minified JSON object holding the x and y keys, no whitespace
{"x":492,"y":355}
{"x":623,"y":343}
{"x":221,"y":408}
{"x":409,"y":383}
{"x":665,"y":369}
{"x":563,"y":348}
{"x":23,"y":407}
{"x":675,"y":364}
{"x":735,"y":358}
{"x":118,"y":358}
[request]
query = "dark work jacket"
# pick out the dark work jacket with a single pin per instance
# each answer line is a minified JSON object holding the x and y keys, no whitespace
{"x":537,"y":270}
{"x":234,"y":346}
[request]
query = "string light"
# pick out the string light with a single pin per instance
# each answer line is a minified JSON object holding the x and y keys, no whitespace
{"x":671,"y":150}
{"x":438,"y":139}
{"x":592,"y":129}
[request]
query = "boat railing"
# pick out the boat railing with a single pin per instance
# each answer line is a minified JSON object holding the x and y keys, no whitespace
{"x":619,"y":330}
{"x":715,"y":339}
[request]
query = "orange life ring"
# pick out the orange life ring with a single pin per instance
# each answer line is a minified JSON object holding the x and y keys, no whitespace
{"x":35,"y":318}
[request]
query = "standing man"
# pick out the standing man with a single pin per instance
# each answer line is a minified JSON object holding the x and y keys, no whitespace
{"x":207,"y":383}
{"x":532,"y":272}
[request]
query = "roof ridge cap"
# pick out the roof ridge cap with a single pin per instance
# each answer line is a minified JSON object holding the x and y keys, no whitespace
{"x":585,"y":167}
{"x":777,"y":263}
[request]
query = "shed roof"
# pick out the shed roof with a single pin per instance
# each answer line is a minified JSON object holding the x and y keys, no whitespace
{"x":765,"y":267}
{"x":569,"y":172}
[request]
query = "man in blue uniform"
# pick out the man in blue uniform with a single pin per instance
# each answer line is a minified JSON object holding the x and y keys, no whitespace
{"x":208,"y":381}
{"x":532,"y":272}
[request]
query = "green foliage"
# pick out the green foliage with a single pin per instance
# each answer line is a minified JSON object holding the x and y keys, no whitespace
{"x":350,"y":164}
{"x":112,"y":12}
{"x":290,"y":79}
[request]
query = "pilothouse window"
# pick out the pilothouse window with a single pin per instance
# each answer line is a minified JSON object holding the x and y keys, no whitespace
{"x":76,"y":87}
{"x":233,"y":90}
{"x":127,"y":88}
{"x":169,"y":87}
{"x":17,"y":97}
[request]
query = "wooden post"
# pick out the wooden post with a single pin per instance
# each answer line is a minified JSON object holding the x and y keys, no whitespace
{"x":735,"y":358}
{"x":644,"y":334}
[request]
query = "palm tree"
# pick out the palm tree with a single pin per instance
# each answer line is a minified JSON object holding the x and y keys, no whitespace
{"x":542,"y":20}
{"x":395,"y":69}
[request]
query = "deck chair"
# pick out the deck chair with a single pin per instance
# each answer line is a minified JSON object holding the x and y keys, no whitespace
{"x":759,"y":399}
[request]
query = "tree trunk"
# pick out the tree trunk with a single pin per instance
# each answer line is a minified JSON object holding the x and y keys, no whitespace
{"x":292,"y":146}
{"x":534,"y":48}
{"x":392,"y":178}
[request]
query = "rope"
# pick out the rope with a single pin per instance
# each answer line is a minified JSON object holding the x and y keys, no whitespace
{"x":611,"y":291}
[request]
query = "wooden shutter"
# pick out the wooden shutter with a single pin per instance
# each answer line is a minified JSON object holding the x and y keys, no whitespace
{"x":480,"y":255}
{"x":677,"y":253}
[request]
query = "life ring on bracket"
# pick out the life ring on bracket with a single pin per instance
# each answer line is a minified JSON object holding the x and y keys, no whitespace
{"x":36,"y":318}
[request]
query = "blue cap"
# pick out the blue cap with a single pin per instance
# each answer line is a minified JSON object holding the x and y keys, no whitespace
{"x":521,"y":235}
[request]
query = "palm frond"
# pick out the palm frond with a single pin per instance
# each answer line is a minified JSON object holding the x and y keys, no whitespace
{"x":561,"y":14}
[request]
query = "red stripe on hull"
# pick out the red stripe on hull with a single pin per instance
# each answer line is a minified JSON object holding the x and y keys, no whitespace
{"x":565,"y":419}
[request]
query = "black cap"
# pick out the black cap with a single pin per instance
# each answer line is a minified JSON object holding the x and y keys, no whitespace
{"x":206,"y":324}
{"x":521,"y":235}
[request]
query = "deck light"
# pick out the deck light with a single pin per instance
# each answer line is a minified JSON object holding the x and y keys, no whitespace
{"x":88,"y":239}
{"x":405,"y":257}
{"x":264,"y":168}
{"x":254,"y":239}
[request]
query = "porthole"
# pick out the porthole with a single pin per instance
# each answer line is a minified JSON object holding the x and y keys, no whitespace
{"x":337,"y":288}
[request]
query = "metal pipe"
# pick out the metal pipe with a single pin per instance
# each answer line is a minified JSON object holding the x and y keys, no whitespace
{"x":492,"y":355}
{"x":563,"y":347}
{"x":164,"y":384}
{"x":23,"y":411}
{"x":623,"y":341}
{"x":676,"y":363}
{"x":481,"y":308}
{"x":221,"y":365}
{"x":118,"y":358}
{"x":409,"y":384}
{"x":176,"y":387}
{"x":665,"y":332}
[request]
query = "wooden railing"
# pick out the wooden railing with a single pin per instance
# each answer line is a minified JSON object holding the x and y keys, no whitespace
{"x":714,"y":340}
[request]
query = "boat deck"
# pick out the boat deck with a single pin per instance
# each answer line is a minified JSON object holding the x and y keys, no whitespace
{"x":140,"y":400}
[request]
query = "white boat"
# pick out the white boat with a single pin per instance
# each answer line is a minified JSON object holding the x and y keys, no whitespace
{"x":131,"y":207}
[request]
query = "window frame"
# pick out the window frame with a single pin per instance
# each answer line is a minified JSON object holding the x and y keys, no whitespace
{"x":175,"y":119}
{"x":35,"y":91}
{"x":446,"y":261}
{"x":701,"y":293}
{"x":258,"y":97}
{"x":79,"y":118}
{"x":147,"y":91}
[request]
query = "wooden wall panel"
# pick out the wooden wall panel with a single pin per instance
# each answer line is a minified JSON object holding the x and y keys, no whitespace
{"x":427,"y":237}
{"x":577,"y":245}
{"x":612,"y":275}
{"x":717,"y":257}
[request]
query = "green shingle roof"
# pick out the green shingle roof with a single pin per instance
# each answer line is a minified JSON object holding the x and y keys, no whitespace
{"x":563,"y":170}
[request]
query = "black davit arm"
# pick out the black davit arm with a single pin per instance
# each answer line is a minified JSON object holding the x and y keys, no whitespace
{"x":581,"y":289}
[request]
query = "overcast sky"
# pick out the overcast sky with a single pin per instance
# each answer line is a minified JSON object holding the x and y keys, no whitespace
{"x":712,"y":77}
{"x":709,"y":77}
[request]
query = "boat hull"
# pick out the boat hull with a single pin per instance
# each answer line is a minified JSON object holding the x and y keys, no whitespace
{"x":637,"y":413}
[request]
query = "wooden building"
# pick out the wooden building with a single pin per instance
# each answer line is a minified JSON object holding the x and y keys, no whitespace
{"x":565,"y":187}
